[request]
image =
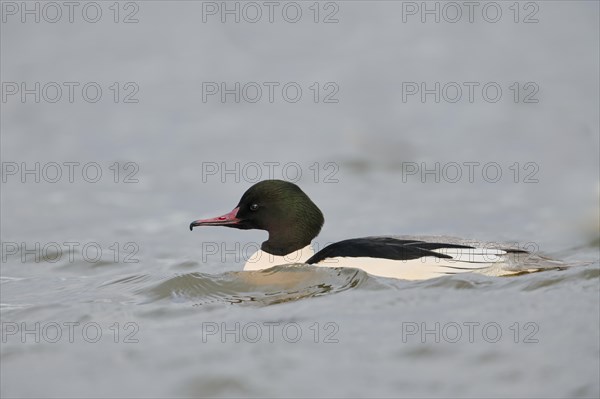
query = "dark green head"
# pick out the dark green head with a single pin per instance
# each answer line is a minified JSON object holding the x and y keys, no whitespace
{"x":279,"y":207}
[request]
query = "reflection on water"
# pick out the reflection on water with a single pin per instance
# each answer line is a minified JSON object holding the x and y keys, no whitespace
{"x":293,"y":282}
{"x":266,"y":287}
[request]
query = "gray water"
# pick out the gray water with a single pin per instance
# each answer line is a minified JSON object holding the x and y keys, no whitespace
{"x":105,"y":293}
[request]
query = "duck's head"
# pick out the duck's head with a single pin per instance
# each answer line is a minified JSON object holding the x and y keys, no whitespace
{"x":279,"y":207}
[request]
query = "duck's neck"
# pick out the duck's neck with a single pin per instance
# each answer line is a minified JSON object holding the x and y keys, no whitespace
{"x":293,"y":229}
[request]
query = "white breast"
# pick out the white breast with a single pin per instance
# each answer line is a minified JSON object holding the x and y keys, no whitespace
{"x":264,"y":260}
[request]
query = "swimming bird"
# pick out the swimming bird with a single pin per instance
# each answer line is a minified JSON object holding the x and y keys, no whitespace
{"x":293,"y":220}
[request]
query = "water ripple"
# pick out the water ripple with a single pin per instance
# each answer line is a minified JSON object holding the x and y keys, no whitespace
{"x":265,"y":287}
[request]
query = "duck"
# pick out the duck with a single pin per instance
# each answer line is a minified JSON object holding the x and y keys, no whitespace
{"x":292,"y":221}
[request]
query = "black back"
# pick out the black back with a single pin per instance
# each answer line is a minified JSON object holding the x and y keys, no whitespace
{"x":382,"y":247}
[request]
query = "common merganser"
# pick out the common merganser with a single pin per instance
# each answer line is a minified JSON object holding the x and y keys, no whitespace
{"x":293,"y":221}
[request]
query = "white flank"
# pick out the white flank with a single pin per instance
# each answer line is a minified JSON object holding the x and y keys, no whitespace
{"x":414,"y":269}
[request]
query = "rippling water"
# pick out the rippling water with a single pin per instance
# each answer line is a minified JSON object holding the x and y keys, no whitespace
{"x":276,"y":285}
{"x":246,"y":333}
{"x":163,"y":312}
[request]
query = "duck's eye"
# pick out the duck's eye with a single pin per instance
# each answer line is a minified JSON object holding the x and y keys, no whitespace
{"x":253,"y":207}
